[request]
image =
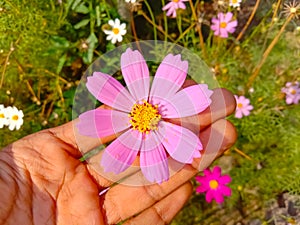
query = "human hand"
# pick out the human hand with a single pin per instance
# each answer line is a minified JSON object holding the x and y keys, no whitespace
{"x":42,"y":180}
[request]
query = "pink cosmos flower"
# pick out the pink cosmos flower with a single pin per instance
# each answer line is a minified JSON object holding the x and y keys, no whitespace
{"x":214,"y":185}
{"x":243,"y":106}
{"x":139,"y":115}
{"x":292,"y":93}
{"x":173,"y":5}
{"x":222,"y":25}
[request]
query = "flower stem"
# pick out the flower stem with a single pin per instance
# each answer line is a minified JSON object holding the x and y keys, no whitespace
{"x":248,"y":21}
{"x":271,"y":24}
{"x":152,"y":18}
{"x":7,"y":61}
{"x":165,"y":22}
{"x":184,"y":33}
{"x":202,"y":45}
{"x":157,"y":27}
{"x":242,"y":153}
{"x":267,"y":52}
{"x":134,"y":31}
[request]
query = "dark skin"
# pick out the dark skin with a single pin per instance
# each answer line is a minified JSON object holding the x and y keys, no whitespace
{"x":42,"y":180}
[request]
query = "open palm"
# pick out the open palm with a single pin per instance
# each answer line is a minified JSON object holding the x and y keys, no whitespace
{"x":42,"y":180}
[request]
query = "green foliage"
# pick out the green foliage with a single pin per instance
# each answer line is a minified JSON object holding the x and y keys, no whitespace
{"x":46,"y":46}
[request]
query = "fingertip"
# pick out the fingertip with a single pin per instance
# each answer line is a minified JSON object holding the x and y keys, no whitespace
{"x":229,"y":99}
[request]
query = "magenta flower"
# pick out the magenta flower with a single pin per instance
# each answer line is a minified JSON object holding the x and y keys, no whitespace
{"x":292,"y":93}
{"x":222,"y":25}
{"x":139,"y":113}
{"x":214,"y":185}
{"x":173,"y":5}
{"x":243,"y":106}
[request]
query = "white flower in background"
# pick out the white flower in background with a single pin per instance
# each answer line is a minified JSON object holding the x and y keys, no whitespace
{"x":15,"y":117}
{"x":130,"y":1}
{"x":235,"y":3}
{"x":3,"y":117}
{"x":117,"y":31}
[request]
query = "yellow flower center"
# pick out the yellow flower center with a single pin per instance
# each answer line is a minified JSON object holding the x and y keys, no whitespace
{"x":293,"y":91}
{"x":223,"y":24}
{"x":234,"y":1}
{"x":293,"y":10}
{"x":240,"y":105}
{"x":176,"y":1}
{"x":213,"y":184}
{"x":144,"y":117}
{"x":15,"y":117}
{"x":115,"y":30}
{"x":2,"y":116}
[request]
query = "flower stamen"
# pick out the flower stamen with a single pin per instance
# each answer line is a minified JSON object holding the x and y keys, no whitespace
{"x":15,"y":117}
{"x":223,"y":25}
{"x":115,"y":30}
{"x":144,"y":117}
{"x":213,"y":184}
{"x":240,"y":105}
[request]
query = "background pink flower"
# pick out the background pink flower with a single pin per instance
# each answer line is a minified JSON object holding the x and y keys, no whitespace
{"x":173,"y":5}
{"x":214,"y":185}
{"x":243,"y":106}
{"x":292,"y":93}
{"x":222,"y":25}
{"x":138,"y":115}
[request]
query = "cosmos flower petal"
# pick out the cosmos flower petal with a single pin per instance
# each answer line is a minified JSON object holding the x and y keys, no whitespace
{"x":177,"y":138}
{"x":202,"y":188}
{"x":201,"y":179}
{"x":233,"y":24}
{"x":215,"y":21}
{"x":187,"y":102}
{"x":218,"y":197}
{"x":228,"y":16}
{"x":223,"y":33}
{"x":226,"y":191}
{"x":154,"y":164}
{"x":109,"y":91}
{"x":209,"y":196}
{"x":225,"y":179}
{"x":121,"y":153}
{"x":216,"y":173}
{"x":245,"y":112}
{"x":181,"y":5}
{"x":136,"y":74}
{"x":169,"y":77}
{"x":238,"y":114}
{"x":99,"y":123}
{"x":167,"y":6}
{"x":207,"y":173}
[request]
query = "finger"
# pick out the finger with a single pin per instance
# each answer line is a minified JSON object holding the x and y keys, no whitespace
{"x":223,"y":104}
{"x":221,"y":135}
{"x":120,"y":196}
{"x":165,"y":210}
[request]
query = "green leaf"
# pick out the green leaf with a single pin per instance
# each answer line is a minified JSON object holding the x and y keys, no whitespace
{"x":88,"y":56}
{"x":61,"y":63}
{"x":75,"y":4}
{"x":82,"y":23}
{"x":59,"y":42}
{"x":98,"y":16}
{"x":82,"y":9}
